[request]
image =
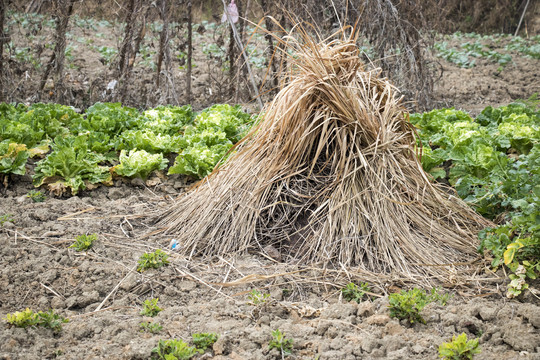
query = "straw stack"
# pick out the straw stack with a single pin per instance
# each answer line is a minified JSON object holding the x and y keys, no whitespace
{"x":331,"y":174}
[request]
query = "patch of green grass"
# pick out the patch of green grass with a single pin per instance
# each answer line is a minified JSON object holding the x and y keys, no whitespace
{"x":153,"y":260}
{"x":6,"y":218}
{"x":257,"y":298}
{"x":174,"y":350}
{"x":354,"y":292}
{"x":204,"y":341}
{"x":22,"y":319}
{"x":406,"y":305}
{"x":150,"y":327}
{"x":151,"y":308}
{"x":281,"y":343}
{"x":27,"y":318}
{"x":51,"y":320}
{"x":459,"y":348}
{"x":108,"y":54}
{"x":36,"y":196}
{"x":84,"y":242}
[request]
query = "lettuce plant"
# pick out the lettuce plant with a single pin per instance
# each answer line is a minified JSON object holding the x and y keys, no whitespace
{"x":13,"y":158}
{"x":149,"y":141}
{"x":71,"y":165}
{"x":170,"y":120}
{"x":139,"y":163}
{"x":109,"y":118}
{"x":208,"y":141}
{"x":493,"y":161}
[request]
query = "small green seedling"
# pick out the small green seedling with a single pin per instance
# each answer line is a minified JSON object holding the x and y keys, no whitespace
{"x":150,"y":327}
{"x":286,"y":292}
{"x":36,"y":196}
{"x":204,"y":341}
{"x":6,"y":218}
{"x":150,"y":307}
{"x":22,"y":319}
{"x":459,"y":348}
{"x":175,"y":350}
{"x":50,"y":320}
{"x":153,"y":260}
{"x":27,"y":317}
{"x":280,"y":342}
{"x":84,"y":242}
{"x":354,"y":292}
{"x":518,"y":282}
{"x":257,"y":298}
{"x":407,"y":305}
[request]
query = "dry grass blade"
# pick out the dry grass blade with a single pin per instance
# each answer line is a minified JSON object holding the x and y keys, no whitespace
{"x":330,"y":175}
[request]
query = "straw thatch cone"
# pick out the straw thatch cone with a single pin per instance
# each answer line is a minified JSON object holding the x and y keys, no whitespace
{"x":331,"y":174}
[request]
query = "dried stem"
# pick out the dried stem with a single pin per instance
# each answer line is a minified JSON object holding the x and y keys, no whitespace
{"x":3,"y":39}
{"x":189,"y":52}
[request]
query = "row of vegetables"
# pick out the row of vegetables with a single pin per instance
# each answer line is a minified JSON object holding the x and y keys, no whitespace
{"x":493,"y":160}
{"x":108,"y":140}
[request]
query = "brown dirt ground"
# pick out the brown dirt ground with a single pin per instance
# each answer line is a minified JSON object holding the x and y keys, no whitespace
{"x":38,"y":270}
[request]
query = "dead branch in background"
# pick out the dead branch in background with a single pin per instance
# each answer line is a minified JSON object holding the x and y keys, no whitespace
{"x":399,"y":48}
{"x":127,"y":47}
{"x":242,"y":50}
{"x":137,"y":14}
{"x":63,"y":11}
{"x":189,"y":52}
{"x":164,"y":61}
{"x":271,"y":51}
{"x":3,"y":39}
{"x":241,"y":70}
{"x":164,"y":50}
{"x":231,"y":58}
{"x":389,"y":28}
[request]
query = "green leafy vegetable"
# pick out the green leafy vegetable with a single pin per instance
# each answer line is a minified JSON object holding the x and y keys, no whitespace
{"x":208,"y":141}
{"x":13,"y":158}
{"x":139,"y":163}
{"x":71,"y":165}
{"x":494,"y":163}
{"x":109,"y":118}
{"x":169,"y":120}
{"x":148,"y":141}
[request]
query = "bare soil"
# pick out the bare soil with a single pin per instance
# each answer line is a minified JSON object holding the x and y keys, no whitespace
{"x":101,"y":292}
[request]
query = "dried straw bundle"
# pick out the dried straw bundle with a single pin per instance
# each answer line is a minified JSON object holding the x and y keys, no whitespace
{"x":331,"y":174}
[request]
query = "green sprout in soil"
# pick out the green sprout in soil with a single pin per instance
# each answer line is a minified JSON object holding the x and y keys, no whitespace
{"x":174,"y":350}
{"x":36,"y":196}
{"x":28,"y":318}
{"x":459,"y":348}
{"x":257,"y":298}
{"x":151,"y":308}
{"x":518,"y":282}
{"x":51,"y":320}
{"x":354,"y":292}
{"x":6,"y":218}
{"x":281,"y":343}
{"x":286,"y":292}
{"x":153,"y":260}
{"x":84,"y":242}
{"x":22,"y":319}
{"x":204,"y":341}
{"x":150,"y":327}
{"x":407,"y":305}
